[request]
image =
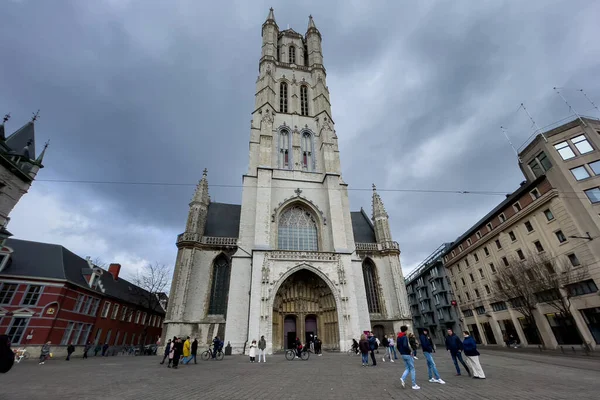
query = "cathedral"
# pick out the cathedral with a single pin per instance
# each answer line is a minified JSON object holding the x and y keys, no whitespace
{"x":292,"y":260}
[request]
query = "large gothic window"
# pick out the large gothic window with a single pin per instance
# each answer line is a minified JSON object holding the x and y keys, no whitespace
{"x":219,"y":290}
{"x":371,"y":287}
{"x":283,"y":97}
{"x":297,"y":230}
{"x":307,"y":154}
{"x":292,"y":53}
{"x":303,"y":100}
{"x":284,"y":149}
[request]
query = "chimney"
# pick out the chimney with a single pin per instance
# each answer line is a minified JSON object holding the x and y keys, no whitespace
{"x":114,"y":270}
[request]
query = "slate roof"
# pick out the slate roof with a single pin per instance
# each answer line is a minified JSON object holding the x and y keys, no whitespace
{"x":53,"y":261}
{"x":18,"y":140}
{"x":223,"y":220}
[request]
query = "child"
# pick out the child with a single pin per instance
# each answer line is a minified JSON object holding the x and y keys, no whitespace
{"x":253,"y":351}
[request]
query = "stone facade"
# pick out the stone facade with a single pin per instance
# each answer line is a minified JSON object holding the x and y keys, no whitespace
{"x":294,"y":262}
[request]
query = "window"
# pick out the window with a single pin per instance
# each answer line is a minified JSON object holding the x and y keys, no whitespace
{"x":520,"y":254}
{"x":529,"y":275}
{"x":547,"y":295}
{"x":481,"y":273}
{"x":502,"y":218}
{"x":284,"y":149}
{"x":574,"y":260}
{"x":528,"y":226}
{"x":458,"y":267}
{"x":512,"y":236}
{"x":492,"y":268}
{"x":505,"y":261}
{"x":480,"y":310}
{"x":593,"y":194}
{"x":467,"y":313}
{"x":79,"y":303}
{"x":105,"y":309}
{"x":472,"y":278}
{"x":487,"y":289}
{"x":151,"y":323}
{"x":476,"y":257}
{"x":307,"y":151}
{"x":581,"y":288}
{"x":137,"y":316}
{"x":580,"y":173}
{"x":433,"y":272}
{"x":303,"y":100}
{"x":564,"y":150}
{"x":549,"y":215}
{"x":440,"y":313}
{"x":292,"y":54}
{"x":297,"y":230}
{"x":540,"y":164}
{"x":371,"y":286}
{"x":478,"y":234}
{"x":115,"y":312}
{"x":477,"y":293}
{"x":595,"y":166}
{"x":486,"y":251}
{"x":459,"y":299}
{"x":130,"y":316}
{"x":7,"y":292}
{"x":463,"y":281}
{"x":517,"y":206}
{"x":452,"y":253}
{"x":535,"y":194}
{"x":16,"y":330}
{"x":468,"y":242}
{"x":32,"y":295}
{"x":560,"y":236}
{"x":67,"y":334}
{"x":489,"y":226}
{"x":283,"y":97}
{"x":219,"y":290}
{"x":85,"y":334}
{"x":437,"y":299}
{"x":95,"y":304}
{"x":538,"y":246}
{"x":124,"y":314}
{"x":144,"y":315}
{"x":88,"y":305}
{"x":498,"y":245}
{"x":582,"y":144}
{"x":499,"y":306}
{"x":420,"y":293}
{"x":467,"y":261}
{"x":433,"y":288}
{"x":468,"y":296}
{"x":459,"y":248}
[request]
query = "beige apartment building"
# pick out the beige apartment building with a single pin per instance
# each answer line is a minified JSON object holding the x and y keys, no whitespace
{"x":554,"y":213}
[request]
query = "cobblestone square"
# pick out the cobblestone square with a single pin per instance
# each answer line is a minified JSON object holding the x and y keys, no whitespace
{"x":333,"y":376}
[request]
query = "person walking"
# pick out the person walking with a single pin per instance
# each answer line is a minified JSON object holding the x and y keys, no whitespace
{"x":427,"y":347}
{"x":105,"y":350}
{"x":412,"y":340}
{"x":187,"y":351}
{"x":45,"y":353}
{"x":86,"y":348}
{"x":409,"y":362}
{"x":364,"y":347}
{"x":7,"y":356}
{"x":385,"y":343}
{"x":97,"y":349}
{"x":70,"y":350}
{"x":262,"y":349}
{"x":318,"y":347}
{"x":195,"y":350}
{"x":178,"y":350}
{"x":252,"y":351}
{"x":392,"y":346}
{"x":172,"y":353}
{"x":311,"y":343}
{"x":470,"y":348}
{"x":455,"y":347}
{"x":372,"y":347}
{"x":167,"y":351}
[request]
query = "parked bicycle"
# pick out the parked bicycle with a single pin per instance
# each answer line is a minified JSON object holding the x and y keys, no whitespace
{"x":21,"y":354}
{"x":291,"y":354}
{"x":207,"y":355}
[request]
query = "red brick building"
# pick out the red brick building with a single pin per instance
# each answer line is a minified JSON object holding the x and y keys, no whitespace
{"x":48,"y":293}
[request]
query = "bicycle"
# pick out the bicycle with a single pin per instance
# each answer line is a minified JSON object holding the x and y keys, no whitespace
{"x":207,"y":355}
{"x":353,"y":351}
{"x":291,"y":354}
{"x":21,"y":354}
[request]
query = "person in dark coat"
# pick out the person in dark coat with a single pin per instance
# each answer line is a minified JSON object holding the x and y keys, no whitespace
{"x":167,"y":351}
{"x":105,"y":350}
{"x":364,"y":347}
{"x":86,"y":348}
{"x":70,"y":350}
{"x":318,"y":345}
{"x":97,"y":349}
{"x":194,"y":349}
{"x":178,"y":351}
{"x":7,"y":356}
{"x":455,"y":347}
{"x":372,"y":347}
{"x":412,"y":341}
{"x":472,"y":355}
{"x":406,"y":353}
{"x":427,"y":346}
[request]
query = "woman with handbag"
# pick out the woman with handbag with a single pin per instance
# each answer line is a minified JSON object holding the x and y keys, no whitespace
{"x":472,"y":356}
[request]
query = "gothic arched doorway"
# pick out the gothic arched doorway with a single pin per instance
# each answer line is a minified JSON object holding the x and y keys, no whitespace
{"x":305,"y":303}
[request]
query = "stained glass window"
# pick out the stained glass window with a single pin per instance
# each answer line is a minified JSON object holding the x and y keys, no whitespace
{"x":297,"y":230}
{"x":219,"y":290}
{"x":371,"y":287}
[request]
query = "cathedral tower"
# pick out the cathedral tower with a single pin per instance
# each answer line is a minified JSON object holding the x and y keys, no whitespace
{"x":292,"y":260}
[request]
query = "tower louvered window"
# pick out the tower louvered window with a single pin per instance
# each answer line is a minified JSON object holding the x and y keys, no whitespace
{"x":292,"y":53}
{"x":307,"y":155}
{"x":283,"y":97}
{"x":371,"y":287}
{"x":284,"y":149}
{"x":303,"y":100}
{"x":219,"y":290}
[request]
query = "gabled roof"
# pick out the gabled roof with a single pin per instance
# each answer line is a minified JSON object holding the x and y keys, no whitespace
{"x":52,"y":261}
{"x":19,"y":139}
{"x":362,"y":227}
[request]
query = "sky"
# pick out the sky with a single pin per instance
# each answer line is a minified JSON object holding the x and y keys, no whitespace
{"x":156,"y":91}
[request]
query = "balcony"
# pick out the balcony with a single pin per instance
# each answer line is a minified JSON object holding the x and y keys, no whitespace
{"x":206,"y":240}
{"x":385,"y":246}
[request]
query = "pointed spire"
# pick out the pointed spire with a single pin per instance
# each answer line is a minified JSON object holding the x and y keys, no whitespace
{"x":41,"y":156}
{"x":201,"y":194}
{"x":24,"y":137}
{"x":271,"y":16}
{"x":311,"y":23}
{"x":378,"y":208}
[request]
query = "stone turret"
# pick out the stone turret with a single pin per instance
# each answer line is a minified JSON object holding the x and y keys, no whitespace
{"x":199,"y":207}
{"x":270,"y":31}
{"x":380,"y":219}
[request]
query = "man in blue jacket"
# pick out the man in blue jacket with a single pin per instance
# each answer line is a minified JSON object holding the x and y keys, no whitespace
{"x":434,"y":376}
{"x":372,"y":347}
{"x":406,"y":353}
{"x":455,"y":347}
